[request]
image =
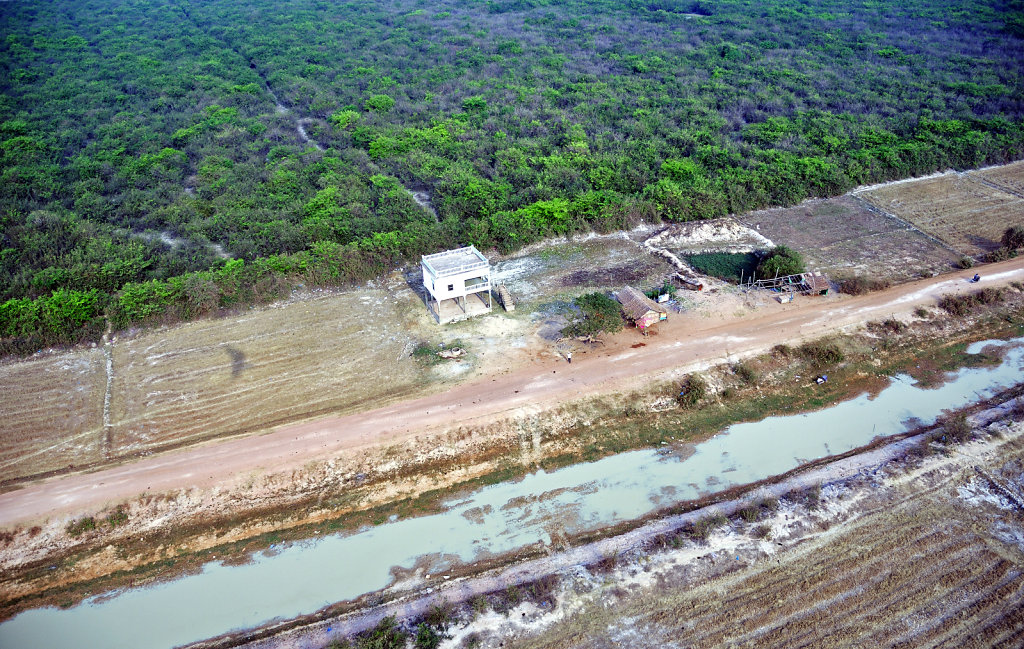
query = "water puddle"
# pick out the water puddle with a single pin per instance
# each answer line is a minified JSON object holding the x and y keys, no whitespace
{"x":303,"y":577}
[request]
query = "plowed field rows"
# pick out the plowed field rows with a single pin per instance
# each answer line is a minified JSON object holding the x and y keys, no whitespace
{"x":922,"y":573}
{"x":841,"y":236}
{"x":958,"y":209}
{"x":51,"y":412}
{"x":1010,"y":177}
{"x":217,"y":377}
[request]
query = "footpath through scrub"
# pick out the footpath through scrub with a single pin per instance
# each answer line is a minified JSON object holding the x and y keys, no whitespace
{"x":682,"y":344}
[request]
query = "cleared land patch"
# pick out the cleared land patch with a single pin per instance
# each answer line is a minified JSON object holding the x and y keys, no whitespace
{"x":216,"y":377}
{"x":1009,"y":177}
{"x":605,"y":262}
{"x":958,"y":208}
{"x":52,"y":412}
{"x":842,"y":236}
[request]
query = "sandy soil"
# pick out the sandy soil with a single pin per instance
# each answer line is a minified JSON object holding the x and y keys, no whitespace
{"x":683,"y":343}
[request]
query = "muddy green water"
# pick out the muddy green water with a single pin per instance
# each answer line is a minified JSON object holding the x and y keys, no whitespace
{"x":303,"y":577}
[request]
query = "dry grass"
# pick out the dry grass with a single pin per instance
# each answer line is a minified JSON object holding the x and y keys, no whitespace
{"x":52,"y":412}
{"x":959,"y":209}
{"x":922,"y":571}
{"x":841,"y":236}
{"x":218,"y":377}
{"x":1009,"y":177}
{"x":326,"y":353}
{"x":212,"y":378}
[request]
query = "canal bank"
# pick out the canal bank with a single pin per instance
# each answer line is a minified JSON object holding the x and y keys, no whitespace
{"x":541,"y":510}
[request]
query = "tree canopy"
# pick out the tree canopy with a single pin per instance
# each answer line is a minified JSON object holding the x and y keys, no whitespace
{"x":146,"y":145}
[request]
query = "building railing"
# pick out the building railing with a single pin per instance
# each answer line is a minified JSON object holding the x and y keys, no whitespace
{"x":455,"y":270}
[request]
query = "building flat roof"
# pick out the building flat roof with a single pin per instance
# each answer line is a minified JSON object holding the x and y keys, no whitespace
{"x":453,"y":262}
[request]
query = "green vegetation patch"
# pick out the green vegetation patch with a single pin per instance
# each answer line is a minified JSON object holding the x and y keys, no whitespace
{"x":728,"y":266}
{"x":142,"y":143}
{"x":596,"y":313}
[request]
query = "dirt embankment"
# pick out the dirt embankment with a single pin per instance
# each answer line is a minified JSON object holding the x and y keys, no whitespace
{"x":910,"y":528}
{"x":167,"y":533}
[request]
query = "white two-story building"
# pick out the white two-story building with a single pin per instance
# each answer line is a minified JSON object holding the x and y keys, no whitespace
{"x":458,"y":284}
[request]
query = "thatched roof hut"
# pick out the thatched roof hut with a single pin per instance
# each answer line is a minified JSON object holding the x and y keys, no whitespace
{"x":642,"y":310}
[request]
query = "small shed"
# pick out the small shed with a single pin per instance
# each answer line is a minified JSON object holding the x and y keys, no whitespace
{"x":640,"y":309}
{"x":815,"y":283}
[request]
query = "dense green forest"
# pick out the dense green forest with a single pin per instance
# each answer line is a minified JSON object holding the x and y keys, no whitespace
{"x":156,"y":163}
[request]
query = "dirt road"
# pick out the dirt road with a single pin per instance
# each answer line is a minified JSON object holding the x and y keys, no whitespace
{"x":683,"y":343}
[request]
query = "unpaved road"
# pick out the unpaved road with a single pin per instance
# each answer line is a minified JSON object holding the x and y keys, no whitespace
{"x":682,"y":342}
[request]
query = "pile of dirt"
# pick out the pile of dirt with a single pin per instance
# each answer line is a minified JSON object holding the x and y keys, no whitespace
{"x":715,"y":235}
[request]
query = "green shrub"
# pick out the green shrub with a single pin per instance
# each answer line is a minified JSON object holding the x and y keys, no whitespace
{"x":479,"y":604}
{"x":81,"y":526}
{"x":962,"y":305}
{"x":427,"y":637}
{"x":822,"y":354}
{"x":694,"y":389}
{"x":965,"y":262}
{"x":750,"y":513}
{"x":440,"y":615}
{"x":782,"y":350}
{"x":745,"y":372}
{"x":811,"y":497}
{"x":889,"y":325}
{"x":596,"y":313}
{"x":655,"y":293}
{"x":956,"y":427}
{"x":386,"y":635}
{"x":779,"y":262}
{"x":1013,"y":238}
{"x":701,"y":529}
{"x":118,"y":517}
{"x":513,"y":596}
{"x":957,"y":305}
{"x":380,"y":103}
{"x":1000,"y":254}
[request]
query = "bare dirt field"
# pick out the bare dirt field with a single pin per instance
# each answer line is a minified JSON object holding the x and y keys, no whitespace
{"x":1008,"y":177}
{"x":223,"y":377}
{"x":559,"y":271}
{"x":52,"y":412}
{"x":842,"y":237}
{"x":960,"y":209}
{"x":315,"y":354}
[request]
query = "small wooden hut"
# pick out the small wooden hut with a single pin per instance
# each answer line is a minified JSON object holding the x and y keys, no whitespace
{"x":640,"y":309}
{"x":815,"y":283}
